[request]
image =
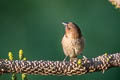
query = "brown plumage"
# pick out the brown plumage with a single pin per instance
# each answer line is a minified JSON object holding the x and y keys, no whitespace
{"x":72,"y":41}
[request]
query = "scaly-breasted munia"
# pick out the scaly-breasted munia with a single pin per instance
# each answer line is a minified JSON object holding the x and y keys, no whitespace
{"x":72,"y":41}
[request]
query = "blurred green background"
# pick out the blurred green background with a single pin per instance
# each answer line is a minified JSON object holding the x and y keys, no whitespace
{"x":35,"y":26}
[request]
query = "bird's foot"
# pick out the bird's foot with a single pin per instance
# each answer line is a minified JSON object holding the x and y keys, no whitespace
{"x":65,"y":59}
{"x":84,"y":57}
{"x":73,"y":59}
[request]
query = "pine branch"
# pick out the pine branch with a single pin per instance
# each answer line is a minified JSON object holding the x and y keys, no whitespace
{"x":76,"y":67}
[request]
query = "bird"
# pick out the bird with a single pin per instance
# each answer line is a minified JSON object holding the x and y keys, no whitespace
{"x":72,"y":41}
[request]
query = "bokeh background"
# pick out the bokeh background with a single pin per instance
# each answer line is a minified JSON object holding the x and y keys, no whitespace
{"x":35,"y":26}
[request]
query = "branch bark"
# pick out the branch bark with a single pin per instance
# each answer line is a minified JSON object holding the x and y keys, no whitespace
{"x":76,"y":67}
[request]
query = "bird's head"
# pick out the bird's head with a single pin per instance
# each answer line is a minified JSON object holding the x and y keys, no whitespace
{"x":72,"y":30}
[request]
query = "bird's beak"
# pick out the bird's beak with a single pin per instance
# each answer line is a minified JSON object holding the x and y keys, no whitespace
{"x":64,"y":23}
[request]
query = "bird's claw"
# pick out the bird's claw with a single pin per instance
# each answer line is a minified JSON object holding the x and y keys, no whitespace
{"x":84,"y":57}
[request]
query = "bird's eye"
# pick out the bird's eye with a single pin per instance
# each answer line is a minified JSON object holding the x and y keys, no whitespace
{"x":69,"y":27}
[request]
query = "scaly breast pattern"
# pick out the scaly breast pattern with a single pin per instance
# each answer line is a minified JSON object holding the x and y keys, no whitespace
{"x":72,"y":47}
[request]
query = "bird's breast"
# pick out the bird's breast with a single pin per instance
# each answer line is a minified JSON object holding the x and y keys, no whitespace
{"x":72,"y":46}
